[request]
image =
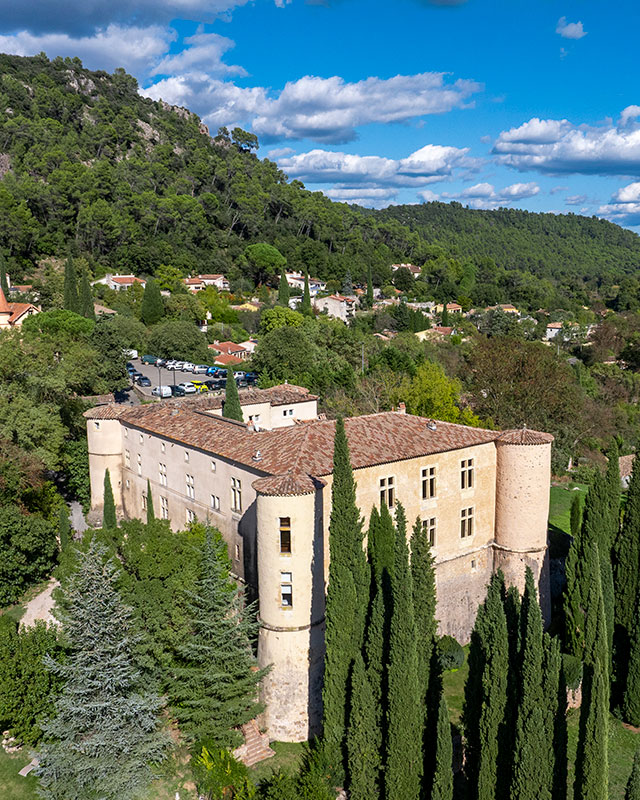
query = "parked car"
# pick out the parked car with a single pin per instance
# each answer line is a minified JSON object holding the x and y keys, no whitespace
{"x":144,"y":381}
{"x":131,"y":353}
{"x":178,"y":365}
{"x":239,"y":374}
{"x":211,"y":385}
{"x":161,"y":362}
{"x":188,"y":366}
{"x":177,"y":391}
{"x":161,"y":391}
{"x":135,"y":375}
{"x":213,"y":371}
{"x":188,"y":387}
{"x":171,"y":364}
{"x":149,"y":359}
{"x":130,"y":366}
{"x":201,"y":369}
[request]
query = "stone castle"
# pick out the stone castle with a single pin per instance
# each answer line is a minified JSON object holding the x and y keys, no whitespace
{"x":265,"y":483}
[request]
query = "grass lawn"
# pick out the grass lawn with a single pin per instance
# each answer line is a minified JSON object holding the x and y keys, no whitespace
{"x":560,"y":505}
{"x":12,"y":785}
{"x":454,"y":681}
{"x":288,"y":756}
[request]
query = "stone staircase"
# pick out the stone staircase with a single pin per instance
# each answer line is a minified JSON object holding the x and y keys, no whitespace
{"x":256,"y":745}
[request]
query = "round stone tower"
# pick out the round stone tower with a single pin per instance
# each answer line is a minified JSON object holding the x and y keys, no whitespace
{"x":291,"y":603}
{"x":104,"y":439}
{"x":522,"y":508}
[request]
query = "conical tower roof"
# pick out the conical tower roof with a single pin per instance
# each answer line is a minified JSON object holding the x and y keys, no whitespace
{"x":4,"y":306}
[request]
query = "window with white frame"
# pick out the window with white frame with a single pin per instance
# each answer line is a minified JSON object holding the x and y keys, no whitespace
{"x":186,"y":456}
{"x":191,"y":516}
{"x":466,"y":473}
{"x":164,"y":508}
{"x":236,"y":494}
{"x":213,"y":466}
{"x":191,"y":491}
{"x":144,"y":501}
{"x":127,"y":459}
{"x":162,"y":470}
{"x":387,"y":492}
{"x":466,"y":523}
{"x":141,"y":438}
{"x":286,"y":590}
{"x":287,"y":412}
{"x":428,"y":483}
{"x":139,"y":464}
{"x":429,"y":527}
{"x":163,"y":447}
{"x":215,"y":502}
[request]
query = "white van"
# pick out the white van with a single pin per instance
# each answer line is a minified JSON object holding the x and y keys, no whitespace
{"x":161,"y":391}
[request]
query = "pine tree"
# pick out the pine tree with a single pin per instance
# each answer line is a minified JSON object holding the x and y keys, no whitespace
{"x":347,"y":594}
{"x":71,"y":300}
{"x":105,"y":731}
{"x":423,"y":581}
{"x":64,"y":527}
{"x":369,"y":286}
{"x":403,"y":768}
{"x":217,"y":679}
{"x":633,"y":785}
{"x":85,"y":301}
{"x":445,"y":316}
{"x":442,"y":785}
{"x":575,"y":515}
{"x":4,"y":283}
{"x":364,"y":742}
{"x":231,"y":408}
{"x":631,"y":696}
{"x":485,"y":697}
{"x":150,"y":513}
{"x":283,"y":289}
{"x":152,"y":307}
{"x":529,"y":776}
{"x":109,"y":519}
{"x":305,"y":305}
{"x":591,"y":777}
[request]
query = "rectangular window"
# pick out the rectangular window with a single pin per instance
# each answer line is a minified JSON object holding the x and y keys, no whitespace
{"x":429,"y":527}
{"x":144,"y":501}
{"x":141,"y":439}
{"x":466,"y":473}
{"x":288,"y":412}
{"x":126,"y":433}
{"x":97,"y":425}
{"x":466,"y":523}
{"x":162,"y":469}
{"x":285,"y":535}
{"x":139,"y":464}
{"x":215,"y":502}
{"x":286,"y":590}
{"x":428,"y":483}
{"x":191,"y":517}
{"x":186,"y":456}
{"x":163,"y":447}
{"x":164,"y":508}
{"x":236,"y":494}
{"x":191,"y":491}
{"x":213,"y":466}
{"x":474,"y":566}
{"x":237,"y":552}
{"x":387,"y":492}
{"x":127,"y":459}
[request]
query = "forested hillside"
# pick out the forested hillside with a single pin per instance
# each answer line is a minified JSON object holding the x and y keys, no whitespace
{"x":87,"y":165}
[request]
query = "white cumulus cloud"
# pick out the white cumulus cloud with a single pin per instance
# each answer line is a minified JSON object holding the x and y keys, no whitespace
{"x":203,"y":51}
{"x":570,"y":30}
{"x":485,"y":195}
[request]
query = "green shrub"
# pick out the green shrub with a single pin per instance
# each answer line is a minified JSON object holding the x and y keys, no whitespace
{"x":572,"y":671}
{"x":450,"y":653}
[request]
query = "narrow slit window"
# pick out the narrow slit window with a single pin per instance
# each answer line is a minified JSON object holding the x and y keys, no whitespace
{"x":285,"y":535}
{"x":286,"y":590}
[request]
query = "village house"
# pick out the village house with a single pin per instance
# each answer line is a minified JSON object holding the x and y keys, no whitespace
{"x":452,"y":308}
{"x":296,"y":281}
{"x":231,"y":349}
{"x":415,"y":271}
{"x":337,"y":306}
{"x":482,"y":497}
{"x":198,"y":282}
{"x":12,"y":315}
{"x":120,"y":282}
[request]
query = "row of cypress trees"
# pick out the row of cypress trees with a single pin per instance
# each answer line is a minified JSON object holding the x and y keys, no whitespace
{"x":284,"y":293}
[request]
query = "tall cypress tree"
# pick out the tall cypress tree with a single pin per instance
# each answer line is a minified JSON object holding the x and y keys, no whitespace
{"x":305,"y":305}
{"x":347,"y":284}
{"x":633,"y":785}
{"x":485,"y":697}
{"x":445,"y":315}
{"x":85,"y":300}
{"x":369,"y":294}
{"x":530,"y":778}
{"x":442,"y":784}
{"x":231,"y":408}
{"x":109,"y":519}
{"x":626,"y":570}
{"x":364,"y":743}
{"x":152,"y":307}
{"x":105,"y":732}
{"x":591,"y":777}
{"x":403,"y":769}
{"x":554,"y":709}
{"x":631,"y":696}
{"x":217,"y":673}
{"x":612,"y":483}
{"x":575,"y":514}
{"x":4,"y":283}
{"x":150,"y":513}
{"x":71,"y":300}
{"x":283,"y":290}
{"x":347,"y":594}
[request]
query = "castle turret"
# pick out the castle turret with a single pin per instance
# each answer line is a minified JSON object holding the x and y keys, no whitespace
{"x":104,"y":439}
{"x":291,"y":602}
{"x":522,"y":508}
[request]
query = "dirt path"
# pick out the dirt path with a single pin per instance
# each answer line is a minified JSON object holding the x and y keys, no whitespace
{"x":40,"y":607}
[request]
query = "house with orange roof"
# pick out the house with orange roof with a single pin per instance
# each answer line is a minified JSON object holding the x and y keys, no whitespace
{"x":12,"y":315}
{"x":231,"y":349}
{"x":337,"y":306}
{"x":120,"y":282}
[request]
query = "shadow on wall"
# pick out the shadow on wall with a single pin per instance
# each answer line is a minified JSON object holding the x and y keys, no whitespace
{"x":316,"y":633}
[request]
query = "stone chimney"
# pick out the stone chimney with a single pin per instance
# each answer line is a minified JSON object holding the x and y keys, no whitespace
{"x":402,"y":408}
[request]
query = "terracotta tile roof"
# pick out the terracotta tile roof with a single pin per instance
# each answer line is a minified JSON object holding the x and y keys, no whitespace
{"x":626,"y":465}
{"x":283,"y":395}
{"x":126,"y":279}
{"x":226,"y":359}
{"x":288,"y":485}
{"x":554,"y":325}
{"x":524,"y":436}
{"x":4,"y":306}
{"x":227,"y":347}
{"x":211,"y":277}
{"x":18,"y":310}
{"x":111,"y":411}
{"x":443,"y":329}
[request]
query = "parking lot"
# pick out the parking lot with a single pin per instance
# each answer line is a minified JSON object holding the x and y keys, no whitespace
{"x":159,"y":376}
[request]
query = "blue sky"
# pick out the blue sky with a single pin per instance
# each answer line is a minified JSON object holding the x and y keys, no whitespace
{"x":491,"y":103}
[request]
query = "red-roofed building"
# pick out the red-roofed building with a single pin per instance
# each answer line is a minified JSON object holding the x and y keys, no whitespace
{"x":120,"y":282}
{"x":12,"y":315}
{"x":337,"y":306}
{"x":227,"y":360}
{"x":231,"y":349}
